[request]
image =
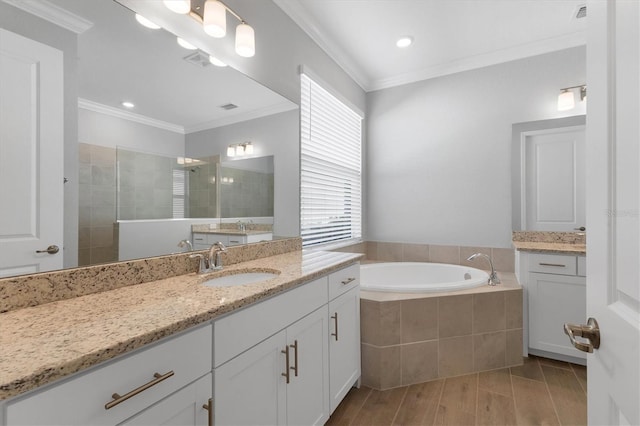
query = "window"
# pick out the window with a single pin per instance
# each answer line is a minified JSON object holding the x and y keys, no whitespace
{"x":330,"y":168}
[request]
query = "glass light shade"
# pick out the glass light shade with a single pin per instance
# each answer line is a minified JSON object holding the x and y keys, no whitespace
{"x":147,"y":23}
{"x":245,"y":41}
{"x":230,"y":180}
{"x":217,"y":62}
{"x":240,"y":150}
{"x":566,"y":101}
{"x":404,"y":41}
{"x":128,"y":104}
{"x":215,"y":19}
{"x":231,"y":151}
{"x":178,"y":6}
{"x":248,"y":149}
{"x":186,"y":44}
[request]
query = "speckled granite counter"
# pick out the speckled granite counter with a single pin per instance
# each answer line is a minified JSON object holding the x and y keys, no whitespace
{"x":43,"y":343}
{"x":550,"y":242}
{"x":231,"y":232}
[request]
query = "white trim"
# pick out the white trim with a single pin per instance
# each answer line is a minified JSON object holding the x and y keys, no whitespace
{"x":304,"y":69}
{"x":53,"y":13}
{"x":126,"y":115}
{"x":249,"y":115}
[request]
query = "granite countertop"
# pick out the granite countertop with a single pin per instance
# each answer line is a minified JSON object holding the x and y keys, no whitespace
{"x":545,"y":247}
{"x":44,"y":343}
{"x":550,"y":242}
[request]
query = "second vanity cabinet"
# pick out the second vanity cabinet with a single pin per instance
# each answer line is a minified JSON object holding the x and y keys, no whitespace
{"x":204,"y":240}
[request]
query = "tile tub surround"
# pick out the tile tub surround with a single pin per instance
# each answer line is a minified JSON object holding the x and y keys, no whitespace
{"x":32,"y":290}
{"x":414,"y":338}
{"x":550,"y":242}
{"x":503,"y":258}
{"x":44,"y":343}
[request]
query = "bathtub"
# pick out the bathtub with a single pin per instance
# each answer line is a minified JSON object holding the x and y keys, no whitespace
{"x":417,"y":277}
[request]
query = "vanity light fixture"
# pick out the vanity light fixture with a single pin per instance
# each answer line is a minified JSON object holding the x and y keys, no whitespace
{"x":404,"y":41}
{"x":182,"y":42}
{"x":178,"y":6}
{"x":147,"y":23}
{"x":566,"y":98}
{"x":214,"y":22}
{"x":235,"y":150}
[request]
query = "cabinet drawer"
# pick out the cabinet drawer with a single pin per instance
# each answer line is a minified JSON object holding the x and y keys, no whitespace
{"x":241,"y":330}
{"x":553,"y":264}
{"x":81,"y":399}
{"x":344,"y":280}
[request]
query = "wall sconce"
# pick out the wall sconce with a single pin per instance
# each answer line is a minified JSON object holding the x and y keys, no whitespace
{"x":214,"y":22}
{"x":566,"y":99}
{"x":240,"y":149}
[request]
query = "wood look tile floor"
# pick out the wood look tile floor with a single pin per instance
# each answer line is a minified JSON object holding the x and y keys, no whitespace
{"x":540,"y":392}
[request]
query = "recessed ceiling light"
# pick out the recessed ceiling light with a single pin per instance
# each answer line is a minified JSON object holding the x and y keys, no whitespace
{"x":217,"y":62}
{"x":186,"y":44}
{"x":404,"y":41}
{"x":147,"y":23}
{"x":128,"y":104}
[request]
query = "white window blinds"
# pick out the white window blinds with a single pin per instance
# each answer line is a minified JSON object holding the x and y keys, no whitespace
{"x":330,"y":169}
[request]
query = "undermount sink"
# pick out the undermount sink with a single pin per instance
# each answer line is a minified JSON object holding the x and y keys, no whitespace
{"x":241,"y":278}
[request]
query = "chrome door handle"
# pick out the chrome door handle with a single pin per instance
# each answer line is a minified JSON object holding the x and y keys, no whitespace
{"x":590,"y":331}
{"x":53,"y":249}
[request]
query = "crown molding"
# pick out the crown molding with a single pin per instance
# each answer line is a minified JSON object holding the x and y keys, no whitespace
{"x":237,"y":118}
{"x":301,"y":17}
{"x":53,"y":13}
{"x":126,"y":115}
{"x":484,"y":60}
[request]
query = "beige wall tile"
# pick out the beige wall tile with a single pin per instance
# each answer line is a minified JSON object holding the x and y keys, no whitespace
{"x":455,"y":315}
{"x":372,"y":250}
{"x":513,"y":308}
{"x":369,"y":321}
{"x":489,"y":312}
{"x":419,"y":320}
{"x":390,"y":372}
{"x":504,"y":260}
{"x":389,"y":324}
{"x":513,"y":354}
{"x":465,"y":252}
{"x":370,"y":366}
{"x":455,"y":356}
{"x":389,"y":252}
{"x":419,"y":362}
{"x":415,"y":252}
{"x":444,"y":254}
{"x":489,"y":350}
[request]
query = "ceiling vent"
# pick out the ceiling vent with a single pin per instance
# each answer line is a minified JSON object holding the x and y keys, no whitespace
{"x":580,"y":12}
{"x":198,"y":58}
{"x":228,"y":106}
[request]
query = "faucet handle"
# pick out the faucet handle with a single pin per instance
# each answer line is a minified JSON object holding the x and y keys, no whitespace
{"x":202,"y":264}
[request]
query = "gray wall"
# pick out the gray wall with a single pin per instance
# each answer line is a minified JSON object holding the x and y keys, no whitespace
{"x":27,"y":25}
{"x":276,"y":135}
{"x":439,"y":150}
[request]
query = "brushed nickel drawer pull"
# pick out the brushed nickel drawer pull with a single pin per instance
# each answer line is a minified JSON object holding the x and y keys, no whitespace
{"x":295,"y":357}
{"x":209,"y":407}
{"x":335,"y":318}
{"x":557,"y":265}
{"x":348,"y":281}
{"x":117,"y":398}
{"x":286,"y":371}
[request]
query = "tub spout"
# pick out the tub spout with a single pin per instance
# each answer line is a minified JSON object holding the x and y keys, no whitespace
{"x":493,"y":277}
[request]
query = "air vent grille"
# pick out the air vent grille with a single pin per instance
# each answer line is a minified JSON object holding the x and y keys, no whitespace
{"x":581,"y":11}
{"x":198,"y":59}
{"x":228,"y":106}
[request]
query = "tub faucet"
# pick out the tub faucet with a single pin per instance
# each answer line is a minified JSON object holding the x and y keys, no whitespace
{"x":215,"y":256}
{"x":185,"y":243}
{"x":493,"y":277}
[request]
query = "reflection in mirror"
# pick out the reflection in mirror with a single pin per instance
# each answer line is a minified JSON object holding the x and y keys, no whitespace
{"x":176,"y":93}
{"x":246,"y":188}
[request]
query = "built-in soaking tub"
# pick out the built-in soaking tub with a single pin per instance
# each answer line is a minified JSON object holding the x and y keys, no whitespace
{"x":424,"y":321}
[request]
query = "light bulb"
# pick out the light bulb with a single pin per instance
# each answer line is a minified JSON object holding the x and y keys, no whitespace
{"x":178,"y":6}
{"x":147,"y":23}
{"x":186,"y":44}
{"x":245,"y":41}
{"x":231,"y":151}
{"x":215,"y":19}
{"x":240,"y":150}
{"x":404,"y":41}
{"x":565,"y":100}
{"x":128,"y":104}
{"x":248,"y":149}
{"x":217,"y":62}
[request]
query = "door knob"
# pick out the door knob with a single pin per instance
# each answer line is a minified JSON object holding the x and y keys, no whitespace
{"x":582,"y":228}
{"x":590,"y":331}
{"x":53,"y":249}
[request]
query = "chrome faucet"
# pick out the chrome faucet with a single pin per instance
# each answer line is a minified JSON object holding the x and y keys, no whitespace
{"x":203,"y":264}
{"x":493,"y":277}
{"x":185,"y":243}
{"x":241,"y":226}
{"x":215,"y":256}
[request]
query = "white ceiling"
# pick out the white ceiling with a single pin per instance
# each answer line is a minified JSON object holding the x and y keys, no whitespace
{"x":120,"y":60}
{"x":449,"y":35}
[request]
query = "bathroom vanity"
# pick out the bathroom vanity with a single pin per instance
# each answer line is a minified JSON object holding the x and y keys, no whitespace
{"x":281,"y":351}
{"x":553,"y":275}
{"x":203,"y":240}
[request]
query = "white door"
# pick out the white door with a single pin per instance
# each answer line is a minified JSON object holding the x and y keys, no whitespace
{"x":613,"y":236}
{"x":554,"y":179}
{"x":31,"y":155}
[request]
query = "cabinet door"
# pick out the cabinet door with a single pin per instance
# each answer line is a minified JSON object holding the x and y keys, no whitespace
{"x":184,"y":407}
{"x":308,"y":389}
{"x":250,"y":388}
{"x":553,"y":301}
{"x":344,"y":344}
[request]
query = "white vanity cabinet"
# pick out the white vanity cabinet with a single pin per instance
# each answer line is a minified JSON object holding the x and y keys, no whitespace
{"x":204,"y":240}
{"x":556,"y":294}
{"x":287,"y":377}
{"x":154,"y":375}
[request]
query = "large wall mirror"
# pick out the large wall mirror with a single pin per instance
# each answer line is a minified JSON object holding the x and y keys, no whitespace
{"x":165,"y":158}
